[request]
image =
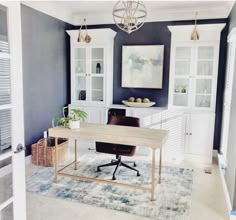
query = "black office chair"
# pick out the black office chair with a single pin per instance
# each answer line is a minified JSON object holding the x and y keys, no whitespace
{"x":119,"y":149}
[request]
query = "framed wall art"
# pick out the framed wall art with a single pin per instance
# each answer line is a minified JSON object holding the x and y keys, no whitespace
{"x":142,"y":66}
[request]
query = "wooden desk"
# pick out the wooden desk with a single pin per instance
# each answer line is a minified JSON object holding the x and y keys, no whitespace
{"x":144,"y":137}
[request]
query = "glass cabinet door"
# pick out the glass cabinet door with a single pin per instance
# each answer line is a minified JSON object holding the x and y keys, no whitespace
{"x":80,"y":74}
{"x":204,"y":76}
{"x":97,"y":74}
{"x":182,"y":74}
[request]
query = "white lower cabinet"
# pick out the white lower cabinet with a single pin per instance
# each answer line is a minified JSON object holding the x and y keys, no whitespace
{"x":199,"y":133}
{"x":174,"y":122}
{"x":190,"y":133}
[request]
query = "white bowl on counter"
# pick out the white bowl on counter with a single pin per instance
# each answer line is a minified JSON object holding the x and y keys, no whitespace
{"x":138,"y":104}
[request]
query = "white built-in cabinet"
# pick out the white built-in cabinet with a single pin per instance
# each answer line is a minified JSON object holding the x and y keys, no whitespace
{"x":198,"y":136}
{"x":193,"y":86}
{"x":92,"y":73}
{"x":194,"y":75}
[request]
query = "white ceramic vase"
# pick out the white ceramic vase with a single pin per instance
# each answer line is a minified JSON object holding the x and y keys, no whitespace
{"x":74,"y":124}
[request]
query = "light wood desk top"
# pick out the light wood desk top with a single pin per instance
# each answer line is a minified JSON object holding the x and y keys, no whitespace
{"x":146,"y":137}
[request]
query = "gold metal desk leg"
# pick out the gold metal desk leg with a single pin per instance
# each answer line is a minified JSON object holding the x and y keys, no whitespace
{"x":56,"y":166}
{"x":160,"y":166}
{"x":76,"y":155}
{"x":153,"y":174}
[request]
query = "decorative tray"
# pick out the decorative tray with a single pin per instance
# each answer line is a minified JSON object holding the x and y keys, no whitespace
{"x":138,"y":104}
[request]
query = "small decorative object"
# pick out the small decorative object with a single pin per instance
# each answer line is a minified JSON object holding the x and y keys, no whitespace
{"x":81,"y":38}
{"x":72,"y":121}
{"x":129,"y":15}
{"x":98,"y":68}
{"x":146,"y":100}
{"x":138,"y":104}
{"x":184,"y":89}
{"x":79,"y":69}
{"x":131,"y":99}
{"x":82,"y":95}
{"x":138,"y":100}
{"x":177,"y":90}
{"x":43,"y":151}
{"x":142,"y":66}
{"x":195,"y":34}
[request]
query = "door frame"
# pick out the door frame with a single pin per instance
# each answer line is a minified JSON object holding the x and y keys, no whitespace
{"x":18,"y":159}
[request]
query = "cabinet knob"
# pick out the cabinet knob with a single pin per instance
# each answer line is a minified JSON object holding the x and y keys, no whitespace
{"x":190,"y":134}
{"x":187,"y":133}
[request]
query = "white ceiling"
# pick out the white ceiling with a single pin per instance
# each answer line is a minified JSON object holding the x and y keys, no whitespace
{"x":100,"y":12}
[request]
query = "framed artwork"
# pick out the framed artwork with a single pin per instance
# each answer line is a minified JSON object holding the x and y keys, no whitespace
{"x":142,"y":66}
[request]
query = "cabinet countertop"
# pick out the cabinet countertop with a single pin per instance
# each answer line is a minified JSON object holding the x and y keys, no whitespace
{"x":120,"y":106}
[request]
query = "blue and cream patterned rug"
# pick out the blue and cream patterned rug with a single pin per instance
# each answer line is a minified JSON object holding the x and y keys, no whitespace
{"x":172,"y":197}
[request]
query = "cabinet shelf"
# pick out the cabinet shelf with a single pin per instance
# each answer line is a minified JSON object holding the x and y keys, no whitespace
{"x":182,"y":59}
{"x":97,"y":60}
{"x":77,"y":59}
{"x":206,"y":94}
{"x":80,"y":74}
{"x":97,"y":74}
{"x":180,"y":93}
{"x":97,"y":90}
{"x":205,"y":59}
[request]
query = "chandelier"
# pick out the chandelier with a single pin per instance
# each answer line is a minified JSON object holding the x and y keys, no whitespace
{"x":128,"y":15}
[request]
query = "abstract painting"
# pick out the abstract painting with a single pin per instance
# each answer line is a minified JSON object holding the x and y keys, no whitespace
{"x":142,"y":66}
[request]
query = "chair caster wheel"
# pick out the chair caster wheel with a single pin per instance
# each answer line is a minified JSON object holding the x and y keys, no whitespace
{"x":98,"y":170}
{"x":138,"y":174}
{"x":135,"y":164}
{"x":113,"y":178}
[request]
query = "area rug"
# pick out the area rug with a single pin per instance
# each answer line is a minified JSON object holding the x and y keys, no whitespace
{"x":172,"y":197}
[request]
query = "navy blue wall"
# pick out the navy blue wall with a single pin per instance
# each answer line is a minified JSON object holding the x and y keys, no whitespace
{"x":45,"y":71}
{"x":158,"y":33}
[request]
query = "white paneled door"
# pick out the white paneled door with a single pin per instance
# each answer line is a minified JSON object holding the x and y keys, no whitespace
{"x":12,"y":155}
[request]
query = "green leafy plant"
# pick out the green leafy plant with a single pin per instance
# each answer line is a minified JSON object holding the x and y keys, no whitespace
{"x":75,"y":115}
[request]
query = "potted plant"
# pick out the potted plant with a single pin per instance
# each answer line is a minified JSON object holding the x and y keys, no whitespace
{"x":75,"y":117}
{"x":72,"y":121}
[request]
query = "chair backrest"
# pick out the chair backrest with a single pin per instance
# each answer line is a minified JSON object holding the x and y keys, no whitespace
{"x":124,"y":121}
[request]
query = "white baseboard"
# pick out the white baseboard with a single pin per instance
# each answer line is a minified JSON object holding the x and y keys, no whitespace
{"x":215,"y":153}
{"x":226,"y":193}
{"x":8,"y":169}
{"x":232,"y":217}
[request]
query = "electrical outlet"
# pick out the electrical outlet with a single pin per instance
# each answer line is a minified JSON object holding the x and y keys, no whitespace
{"x":208,"y":170}
{"x":45,"y":134}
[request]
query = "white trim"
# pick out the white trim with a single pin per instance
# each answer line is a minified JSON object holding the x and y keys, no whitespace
{"x":225,"y":189}
{"x":8,"y":169}
{"x":6,"y":155}
{"x":215,"y":154}
{"x":51,"y":9}
{"x":232,"y":35}
{"x":3,"y":107}
{"x":154,"y":13}
{"x":6,"y":203}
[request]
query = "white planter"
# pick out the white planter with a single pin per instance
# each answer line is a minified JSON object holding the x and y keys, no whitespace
{"x":74,"y":124}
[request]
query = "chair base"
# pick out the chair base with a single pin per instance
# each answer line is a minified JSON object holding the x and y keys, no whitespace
{"x":118,"y":163}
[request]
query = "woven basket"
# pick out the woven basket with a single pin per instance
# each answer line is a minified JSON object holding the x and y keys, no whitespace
{"x":43,"y":152}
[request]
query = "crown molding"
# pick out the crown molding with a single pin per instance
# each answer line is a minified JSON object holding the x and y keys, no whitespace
{"x":171,"y":14}
{"x":51,"y":9}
